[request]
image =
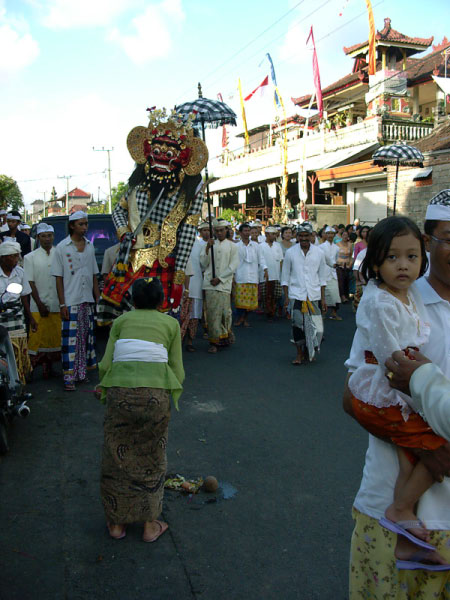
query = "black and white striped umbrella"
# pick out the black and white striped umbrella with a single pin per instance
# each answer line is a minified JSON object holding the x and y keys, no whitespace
{"x":209,"y":112}
{"x":398,"y":153}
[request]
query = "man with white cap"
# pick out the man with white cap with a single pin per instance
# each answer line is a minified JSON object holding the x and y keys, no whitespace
{"x":13,"y":319}
{"x":14,"y":234}
{"x":3,"y":223}
{"x":44,"y":345}
{"x":331,"y":252}
{"x":272,"y":257}
{"x":371,"y":544}
{"x":217,"y":284}
{"x":196,"y":285}
{"x":304,"y":279}
{"x":75,"y":268}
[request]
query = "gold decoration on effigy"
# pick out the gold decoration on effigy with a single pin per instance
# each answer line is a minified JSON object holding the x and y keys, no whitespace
{"x":178,"y":277}
{"x":121,"y":230}
{"x":193,"y":219}
{"x":169,"y":229}
{"x":199,"y":157}
{"x":144,"y":257}
{"x":151,"y":232}
{"x":123,"y":203}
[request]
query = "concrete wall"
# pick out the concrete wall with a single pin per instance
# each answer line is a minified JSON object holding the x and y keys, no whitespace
{"x":413,"y":197}
{"x":324,"y":213}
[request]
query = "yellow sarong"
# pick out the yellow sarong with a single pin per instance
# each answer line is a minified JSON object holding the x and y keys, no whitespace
{"x":47,"y":338}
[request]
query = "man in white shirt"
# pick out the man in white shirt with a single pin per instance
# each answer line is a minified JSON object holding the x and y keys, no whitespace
{"x":331,"y":251}
{"x":381,"y":465}
{"x":3,"y":224}
{"x":196,"y":285}
{"x":303,"y":278}
{"x":272,"y":255}
{"x":246,"y":277}
{"x":217,"y":285}
{"x":75,"y":268}
{"x":44,"y":345}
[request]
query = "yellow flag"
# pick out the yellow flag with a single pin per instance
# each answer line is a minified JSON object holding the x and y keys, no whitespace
{"x":243,"y":114}
{"x":372,"y":56}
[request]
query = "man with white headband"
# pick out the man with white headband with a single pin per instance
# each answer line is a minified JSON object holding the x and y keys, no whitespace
{"x":75,"y":268}
{"x":372,"y":571}
{"x":44,"y":345}
{"x":13,"y":319}
{"x":272,"y":257}
{"x":14,"y":234}
{"x":331,"y":252}
{"x":303,"y":278}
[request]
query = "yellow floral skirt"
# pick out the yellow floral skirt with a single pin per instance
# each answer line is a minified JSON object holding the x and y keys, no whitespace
{"x":246,"y":296}
{"x":373,"y":574}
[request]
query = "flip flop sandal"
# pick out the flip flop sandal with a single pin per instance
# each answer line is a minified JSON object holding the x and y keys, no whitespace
{"x":163,"y":527}
{"x":400,"y":528}
{"x":414,"y":563}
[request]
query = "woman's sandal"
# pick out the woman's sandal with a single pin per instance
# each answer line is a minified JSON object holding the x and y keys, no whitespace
{"x":119,"y":536}
{"x":212,"y":350}
{"x":163,"y":527}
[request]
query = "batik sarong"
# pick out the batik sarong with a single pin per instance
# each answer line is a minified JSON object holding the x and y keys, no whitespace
{"x":373,"y":573}
{"x":19,"y":343}
{"x":77,"y":342}
{"x":44,"y":345}
{"x":187,"y":323}
{"x":246,"y":296}
{"x":271,"y":292}
{"x":218,"y":310}
{"x":332,"y":296}
{"x":134,"y":459}
{"x":307,"y":326}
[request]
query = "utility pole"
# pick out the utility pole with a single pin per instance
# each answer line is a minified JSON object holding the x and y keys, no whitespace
{"x":108,"y":150}
{"x":66,"y":177}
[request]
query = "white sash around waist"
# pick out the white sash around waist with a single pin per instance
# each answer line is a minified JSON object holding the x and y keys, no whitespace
{"x":138,"y":350}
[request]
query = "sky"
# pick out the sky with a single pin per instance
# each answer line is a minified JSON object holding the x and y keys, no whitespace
{"x":79,"y":74}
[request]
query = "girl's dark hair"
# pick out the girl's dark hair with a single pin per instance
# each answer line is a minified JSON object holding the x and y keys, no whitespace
{"x":380,"y":240}
{"x":147,"y":293}
{"x":361,"y":230}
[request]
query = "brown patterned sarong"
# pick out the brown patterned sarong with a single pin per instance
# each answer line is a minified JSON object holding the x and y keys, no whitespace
{"x":134,"y":458}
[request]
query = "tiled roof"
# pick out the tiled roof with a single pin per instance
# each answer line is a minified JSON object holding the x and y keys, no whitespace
{"x":439,"y":139}
{"x":387,"y":34}
{"x":76,"y":207}
{"x":420,"y":68}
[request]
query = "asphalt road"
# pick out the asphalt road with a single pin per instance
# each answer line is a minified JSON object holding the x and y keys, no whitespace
{"x":275,"y":436}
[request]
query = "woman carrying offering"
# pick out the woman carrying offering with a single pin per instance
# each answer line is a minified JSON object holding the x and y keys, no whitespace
{"x":344,"y":265}
{"x":391,"y":317}
{"x":141,"y":368}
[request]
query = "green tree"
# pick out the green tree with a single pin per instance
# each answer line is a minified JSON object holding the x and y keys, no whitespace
{"x":10,"y":194}
{"x":117,"y":193}
{"x":232,"y":215}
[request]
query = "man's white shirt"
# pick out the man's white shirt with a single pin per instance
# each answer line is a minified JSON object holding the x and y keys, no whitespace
{"x":272,"y":256}
{"x":37,"y":267}
{"x":251,"y":260}
{"x":304,"y":274}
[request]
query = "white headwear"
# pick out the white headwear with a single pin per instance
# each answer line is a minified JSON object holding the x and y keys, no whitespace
{"x":254,"y":224}
{"x":3,"y":212}
{"x":7,"y":248}
{"x":78,"y":214}
{"x":439,"y":207}
{"x":328,"y":229}
{"x":44,"y":228}
{"x":25,"y":226}
{"x":271,"y":229}
{"x":221,"y":223}
{"x":204,"y":225}
{"x":305,"y":227}
{"x":13,"y":217}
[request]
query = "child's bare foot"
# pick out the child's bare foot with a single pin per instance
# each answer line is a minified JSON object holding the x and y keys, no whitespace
{"x":404,"y":517}
{"x":406,"y":550}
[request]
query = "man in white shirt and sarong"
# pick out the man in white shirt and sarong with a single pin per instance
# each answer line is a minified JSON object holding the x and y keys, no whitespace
{"x":196,"y":285}
{"x":75,"y":268}
{"x":217,"y":285}
{"x":303,"y":279}
{"x":270,"y":285}
{"x":246,"y":277}
{"x":331,"y":251}
{"x":44,"y":345}
{"x":373,"y":572}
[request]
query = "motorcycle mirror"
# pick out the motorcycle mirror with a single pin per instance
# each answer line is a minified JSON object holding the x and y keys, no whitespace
{"x":14,"y":288}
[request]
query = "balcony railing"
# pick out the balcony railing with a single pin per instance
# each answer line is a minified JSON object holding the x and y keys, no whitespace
{"x":394,"y":132}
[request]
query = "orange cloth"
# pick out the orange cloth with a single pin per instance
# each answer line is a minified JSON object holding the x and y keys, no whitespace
{"x":388,"y":422}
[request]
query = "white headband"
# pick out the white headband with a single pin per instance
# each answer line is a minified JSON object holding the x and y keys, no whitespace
{"x":13,"y":217}
{"x":79,"y":214}
{"x":8,"y":248}
{"x":44,"y":228}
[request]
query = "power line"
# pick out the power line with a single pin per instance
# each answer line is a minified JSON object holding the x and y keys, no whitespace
{"x":51,"y":177}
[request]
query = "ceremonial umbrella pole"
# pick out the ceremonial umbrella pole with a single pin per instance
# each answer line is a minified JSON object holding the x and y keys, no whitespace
{"x":214,"y":114}
{"x":398,"y":154}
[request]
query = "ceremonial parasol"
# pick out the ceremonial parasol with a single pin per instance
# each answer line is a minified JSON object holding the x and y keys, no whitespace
{"x":398,"y":154}
{"x":212,"y":113}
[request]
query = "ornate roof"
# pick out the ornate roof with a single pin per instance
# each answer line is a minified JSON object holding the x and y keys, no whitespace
{"x":438,"y":139}
{"x":387,"y":34}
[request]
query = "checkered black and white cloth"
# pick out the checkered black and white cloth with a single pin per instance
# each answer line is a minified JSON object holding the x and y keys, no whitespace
{"x":405,"y":155}
{"x":211,"y":112}
{"x":442,"y":198}
{"x":13,"y":318}
{"x":185,"y":233}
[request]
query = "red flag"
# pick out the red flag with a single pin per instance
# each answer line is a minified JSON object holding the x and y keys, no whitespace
{"x":316,"y":74}
{"x":261,"y":86}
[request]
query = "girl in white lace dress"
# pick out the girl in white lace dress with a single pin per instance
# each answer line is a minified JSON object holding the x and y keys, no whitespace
{"x":391,"y":317}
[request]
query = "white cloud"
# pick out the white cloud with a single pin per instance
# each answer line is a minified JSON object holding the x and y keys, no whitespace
{"x":152,"y":32}
{"x":65,"y":14}
{"x":18,"y":49}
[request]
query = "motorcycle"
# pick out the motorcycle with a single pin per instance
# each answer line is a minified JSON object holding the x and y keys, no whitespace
{"x":13,"y":400}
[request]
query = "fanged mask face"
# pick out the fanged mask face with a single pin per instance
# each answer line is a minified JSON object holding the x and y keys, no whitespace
{"x":165,"y":156}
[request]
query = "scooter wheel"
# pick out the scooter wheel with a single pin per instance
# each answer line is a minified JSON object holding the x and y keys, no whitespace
{"x":4,"y":447}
